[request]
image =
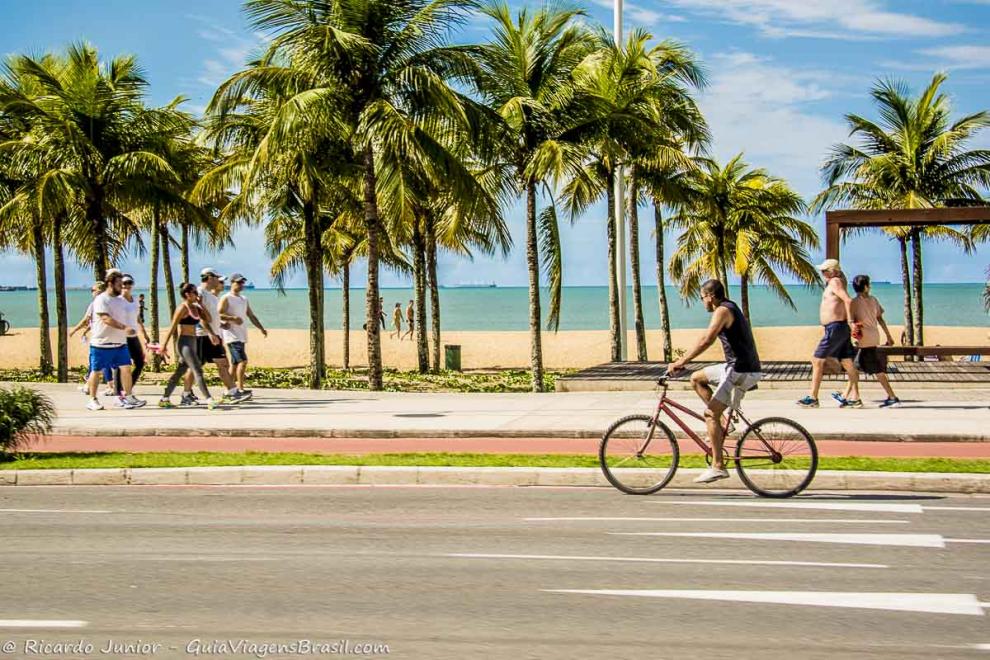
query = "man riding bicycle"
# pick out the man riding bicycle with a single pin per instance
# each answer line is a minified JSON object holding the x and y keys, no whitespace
{"x":739,"y":373}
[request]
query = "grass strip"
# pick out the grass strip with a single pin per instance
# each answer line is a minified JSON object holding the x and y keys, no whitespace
{"x":81,"y":460}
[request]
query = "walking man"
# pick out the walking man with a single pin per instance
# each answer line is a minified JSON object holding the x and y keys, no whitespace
{"x":135,"y":348}
{"x":740,"y":372}
{"x":867,"y":316}
{"x":108,"y":342}
{"x":835,"y":315}
{"x":410,"y":320}
{"x":209,"y":345}
{"x":235,"y":311}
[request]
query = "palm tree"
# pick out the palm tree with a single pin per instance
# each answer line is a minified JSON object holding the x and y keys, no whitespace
{"x":523,"y":73}
{"x":741,"y":218}
{"x":915,"y":156}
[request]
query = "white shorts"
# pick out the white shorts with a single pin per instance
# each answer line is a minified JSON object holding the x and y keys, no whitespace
{"x":730,"y":386}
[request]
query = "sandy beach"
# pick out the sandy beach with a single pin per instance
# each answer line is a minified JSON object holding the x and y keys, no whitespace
{"x":489,"y":350}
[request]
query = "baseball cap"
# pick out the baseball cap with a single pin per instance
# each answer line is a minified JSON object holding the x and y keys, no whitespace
{"x":237,"y":277}
{"x":206,"y":272}
{"x":128,"y":279}
{"x":112,"y":273}
{"x":829,"y":264}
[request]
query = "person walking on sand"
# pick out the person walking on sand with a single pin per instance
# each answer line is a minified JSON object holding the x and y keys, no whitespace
{"x":235,"y":311}
{"x":867,"y":316}
{"x":835,"y":315}
{"x":209,"y":345}
{"x":410,"y":320}
{"x":134,"y":346}
{"x":397,"y":322}
{"x":108,"y":343}
{"x":187,"y":316}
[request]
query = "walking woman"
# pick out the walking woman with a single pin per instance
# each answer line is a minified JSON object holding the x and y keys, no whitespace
{"x":187,"y":316}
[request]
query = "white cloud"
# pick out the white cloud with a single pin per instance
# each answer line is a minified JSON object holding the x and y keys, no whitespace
{"x":233,"y":50}
{"x":959,"y":57}
{"x":821,"y":18}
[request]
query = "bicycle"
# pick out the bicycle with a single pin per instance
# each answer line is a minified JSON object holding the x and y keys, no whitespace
{"x":774,"y":456}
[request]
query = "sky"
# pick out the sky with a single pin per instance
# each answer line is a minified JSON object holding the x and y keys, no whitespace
{"x":781,"y":76}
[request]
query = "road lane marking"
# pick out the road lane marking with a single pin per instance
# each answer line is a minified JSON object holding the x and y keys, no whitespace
{"x":965,"y":604}
{"x":956,"y":508}
{"x":825,"y":506}
{"x":42,"y":623}
{"x":967,"y":540}
{"x":844,"y":521}
{"x":665,"y":560}
{"x":53,"y":511}
{"x":905,"y":540}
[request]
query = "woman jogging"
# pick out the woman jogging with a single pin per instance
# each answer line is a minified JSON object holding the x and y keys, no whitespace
{"x":187,"y":316}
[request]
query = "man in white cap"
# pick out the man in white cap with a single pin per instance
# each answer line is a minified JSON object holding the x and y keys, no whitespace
{"x":836,"y":316}
{"x":235,"y":311}
{"x":211,"y":283}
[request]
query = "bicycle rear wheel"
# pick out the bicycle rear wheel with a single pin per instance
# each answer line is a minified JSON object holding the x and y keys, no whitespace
{"x":776,"y":458}
{"x":638,"y":456}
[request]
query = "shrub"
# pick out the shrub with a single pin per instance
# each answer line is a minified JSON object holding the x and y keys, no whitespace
{"x":24,"y":413}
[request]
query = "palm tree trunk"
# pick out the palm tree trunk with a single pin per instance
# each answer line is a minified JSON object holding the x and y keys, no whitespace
{"x":345,"y":290}
{"x":634,"y":264}
{"x":61,"y":313}
{"x":919,"y":303}
{"x":97,"y":224}
{"x":44,"y":321}
{"x":614,"y":325}
{"x":533,"y":268}
{"x":372,"y":304}
{"x":184,"y":259}
{"x":906,"y":283}
{"x":419,"y":287}
{"x":314,"y":283}
{"x":744,"y":294}
{"x":723,"y":273}
{"x":156,"y":361}
{"x":668,"y":349}
{"x":434,"y":286}
{"x":167,"y":268}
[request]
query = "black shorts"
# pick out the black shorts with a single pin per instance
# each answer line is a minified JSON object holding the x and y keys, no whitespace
{"x":237,"y":352}
{"x":869,"y":361}
{"x":837,"y":342}
{"x":208,"y":352}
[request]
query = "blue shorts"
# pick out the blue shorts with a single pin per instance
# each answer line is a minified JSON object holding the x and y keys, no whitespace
{"x":837,"y":342}
{"x":237,"y":352}
{"x":112,"y":357}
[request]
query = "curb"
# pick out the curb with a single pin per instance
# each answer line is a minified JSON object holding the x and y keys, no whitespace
{"x":280,"y":475}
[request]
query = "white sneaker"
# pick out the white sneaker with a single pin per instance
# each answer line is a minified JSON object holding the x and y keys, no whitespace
{"x":134,"y":402}
{"x":94,"y":404}
{"x":109,"y":392}
{"x":712,"y":474}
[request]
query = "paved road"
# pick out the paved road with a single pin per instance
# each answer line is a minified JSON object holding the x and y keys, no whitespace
{"x":925,"y":415}
{"x":468,"y":572}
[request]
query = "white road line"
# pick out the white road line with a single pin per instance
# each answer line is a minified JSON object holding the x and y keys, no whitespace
{"x":956,"y":508}
{"x":844,"y":521}
{"x":808,"y":504}
{"x":967,"y":540}
{"x":665,"y":560}
{"x":905,"y":540}
{"x":965,"y":604}
{"x":981,"y":647}
{"x":52,"y":511}
{"x":42,"y":623}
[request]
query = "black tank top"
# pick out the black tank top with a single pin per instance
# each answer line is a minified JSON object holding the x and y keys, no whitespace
{"x":737,"y":342}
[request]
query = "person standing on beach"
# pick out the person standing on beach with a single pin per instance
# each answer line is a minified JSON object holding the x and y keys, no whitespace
{"x":835,"y":315}
{"x":397,"y":321}
{"x":867,"y":316}
{"x":209,"y":344}
{"x":235,"y":311}
{"x":108,"y":342}
{"x":187,"y":316}
{"x":410,"y":320}
{"x":381,"y":313}
{"x":132,"y":311}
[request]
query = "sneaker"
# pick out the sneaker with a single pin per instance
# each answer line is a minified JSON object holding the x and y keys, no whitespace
{"x":188,"y":400}
{"x":808,"y":402}
{"x":136,"y":402}
{"x":211,"y":404}
{"x":712,"y":474}
{"x":890,"y":403}
{"x":120,"y":402}
{"x":165,"y":403}
{"x":234,"y":398}
{"x":838,"y":397}
{"x":109,"y":392}
{"x":245,"y":395}
{"x":852,"y":403}
{"x":94,"y":404}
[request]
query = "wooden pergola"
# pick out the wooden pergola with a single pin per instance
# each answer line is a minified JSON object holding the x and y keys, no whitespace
{"x":836,"y":221}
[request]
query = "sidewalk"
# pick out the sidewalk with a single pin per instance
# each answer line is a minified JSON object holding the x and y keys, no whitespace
{"x":925,"y":416}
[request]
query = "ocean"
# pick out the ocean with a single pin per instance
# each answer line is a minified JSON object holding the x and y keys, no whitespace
{"x":584,"y":308}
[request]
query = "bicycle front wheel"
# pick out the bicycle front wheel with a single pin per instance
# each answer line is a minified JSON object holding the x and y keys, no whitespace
{"x":637,"y":455}
{"x":776,"y":458}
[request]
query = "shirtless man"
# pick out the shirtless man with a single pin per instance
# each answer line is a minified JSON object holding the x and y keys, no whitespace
{"x":410,"y":321}
{"x":836,"y":316}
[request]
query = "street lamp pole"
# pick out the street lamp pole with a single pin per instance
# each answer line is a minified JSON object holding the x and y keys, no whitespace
{"x":620,"y":216}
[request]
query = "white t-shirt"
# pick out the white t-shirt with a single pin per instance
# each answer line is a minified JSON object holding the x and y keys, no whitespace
{"x":131,"y":309}
{"x":103,"y":335}
{"x":212,"y":306}
{"x":236,"y":306}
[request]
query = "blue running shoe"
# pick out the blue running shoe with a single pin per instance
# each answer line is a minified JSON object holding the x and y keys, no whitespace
{"x":808,"y":402}
{"x":890,"y":403}
{"x":838,"y":397}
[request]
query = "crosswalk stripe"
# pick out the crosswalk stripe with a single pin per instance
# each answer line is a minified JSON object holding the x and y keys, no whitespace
{"x":906,"y":540}
{"x":42,"y":623}
{"x":963,"y":604}
{"x":805,"y":504}
{"x":665,"y":560}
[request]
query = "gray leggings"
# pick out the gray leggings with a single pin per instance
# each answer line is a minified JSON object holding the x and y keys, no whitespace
{"x":188,"y":356}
